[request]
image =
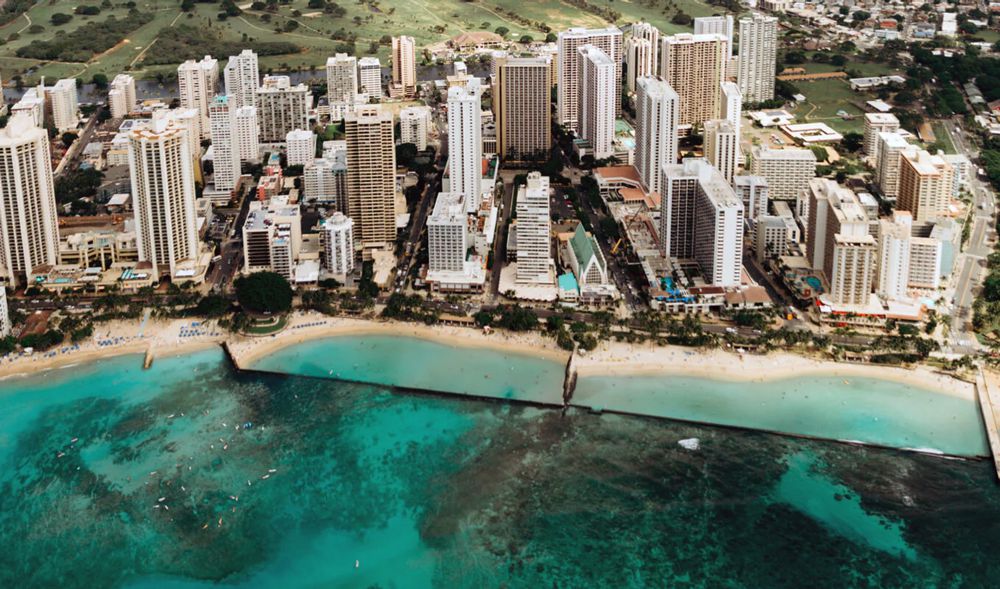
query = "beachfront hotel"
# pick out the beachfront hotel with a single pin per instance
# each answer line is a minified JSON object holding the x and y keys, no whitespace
{"x":163,"y":196}
{"x":701,"y":219}
{"x":29,"y":229}
{"x":371,"y":177}
{"x":534,"y":232}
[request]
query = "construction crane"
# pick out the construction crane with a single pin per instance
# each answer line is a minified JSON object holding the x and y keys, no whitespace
{"x":614,"y":248}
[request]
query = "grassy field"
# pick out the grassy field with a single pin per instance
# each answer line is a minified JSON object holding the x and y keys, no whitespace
{"x":317,"y":33}
{"x":943,"y":138}
{"x":824,"y":98}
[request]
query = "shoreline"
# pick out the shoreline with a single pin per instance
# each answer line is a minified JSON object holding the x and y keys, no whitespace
{"x":613,"y":359}
{"x":610,"y":359}
{"x":302,"y":328}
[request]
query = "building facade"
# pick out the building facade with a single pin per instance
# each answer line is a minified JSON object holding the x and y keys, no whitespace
{"x":657,"y":110}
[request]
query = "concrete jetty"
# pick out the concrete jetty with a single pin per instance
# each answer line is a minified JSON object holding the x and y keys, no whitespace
{"x":988,"y":393}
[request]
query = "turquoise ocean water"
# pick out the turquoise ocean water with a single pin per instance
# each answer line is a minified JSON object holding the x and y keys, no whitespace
{"x":113,"y":476}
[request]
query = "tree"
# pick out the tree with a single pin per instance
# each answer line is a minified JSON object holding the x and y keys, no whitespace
{"x":852,"y":141}
{"x":405,"y":154}
{"x":525,"y":39}
{"x":68,"y":138}
{"x":212,"y":305}
{"x":502,"y":31}
{"x":60,"y":18}
{"x":682,"y":19}
{"x":100,"y":80}
{"x":264,"y":292}
{"x":991,"y":287}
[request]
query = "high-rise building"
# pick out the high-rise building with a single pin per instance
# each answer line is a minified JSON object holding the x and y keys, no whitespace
{"x":65,"y":107}
{"x":371,"y":176}
{"x":242,"y":78}
{"x":642,"y":53}
{"x":596,"y":93}
{"x":833,"y":210}
{"x":695,"y":66}
{"x":465,"y":142}
{"x":758,"y":55}
{"x":701,"y":218}
{"x":404,"y":68}
{"x":413,"y":125}
{"x":370,"y":76}
{"x":732,"y":106}
{"x":281,"y":108}
{"x":163,"y":195}
{"x":197,"y":82}
{"x":341,"y":81}
{"x":324,"y":180}
{"x":888,"y":156}
{"x":338,"y":244}
{"x":788,"y":171}
{"x":522,"y":98}
{"x":226,"y":158}
{"x":246,"y":133}
{"x":272,"y":236}
{"x":657,"y":107}
{"x":925,"y":183}
{"x":29,"y":229}
{"x":447,"y":234}
{"x":722,"y":147}
{"x":753,"y":192}
{"x":875,"y":123}
{"x":894,"y":256}
{"x":772,"y":234}
{"x":300,"y":147}
{"x":609,"y":41}
{"x":852,"y":269}
{"x":534,"y":232}
{"x":121,"y":96}
{"x":716,"y":25}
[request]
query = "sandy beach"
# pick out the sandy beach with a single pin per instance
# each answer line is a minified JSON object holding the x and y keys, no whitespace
{"x":621,"y":359}
{"x":303,"y":327}
{"x":180,"y":336}
{"x":160,"y":338}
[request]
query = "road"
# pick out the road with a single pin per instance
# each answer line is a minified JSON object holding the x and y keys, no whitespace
{"x":74,"y":150}
{"x":970,"y":264}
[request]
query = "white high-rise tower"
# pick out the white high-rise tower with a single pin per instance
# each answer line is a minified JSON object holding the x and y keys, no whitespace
{"x":226,"y":161}
{"x":596,"y":112}
{"x":657,"y":107}
{"x":163,"y":195}
{"x":465,"y":142}
{"x":758,"y":53}
{"x":197,"y":82}
{"x":242,"y":79}
{"x":29,"y":229}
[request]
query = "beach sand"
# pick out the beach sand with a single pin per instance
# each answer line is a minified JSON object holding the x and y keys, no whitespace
{"x":622,"y":359}
{"x":116,"y":338}
{"x":180,"y":336}
{"x":303,"y":327}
